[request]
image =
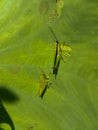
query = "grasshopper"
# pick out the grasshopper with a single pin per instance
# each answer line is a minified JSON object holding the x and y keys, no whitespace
{"x":43,"y":84}
{"x":60,"y":48}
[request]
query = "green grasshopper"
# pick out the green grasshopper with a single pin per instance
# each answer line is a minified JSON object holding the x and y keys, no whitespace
{"x":43,"y":84}
{"x":60,"y":48}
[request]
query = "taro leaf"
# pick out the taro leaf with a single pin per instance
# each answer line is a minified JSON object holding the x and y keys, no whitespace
{"x":26,"y":45}
{"x":5,"y":117}
{"x":7,"y":96}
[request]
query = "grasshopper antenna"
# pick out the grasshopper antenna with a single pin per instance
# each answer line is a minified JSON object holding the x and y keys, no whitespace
{"x":53,"y":33}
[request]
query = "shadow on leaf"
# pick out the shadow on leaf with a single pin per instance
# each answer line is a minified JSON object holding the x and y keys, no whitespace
{"x":7,"y":95}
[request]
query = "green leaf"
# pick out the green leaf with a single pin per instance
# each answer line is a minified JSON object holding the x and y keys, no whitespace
{"x":27,"y":44}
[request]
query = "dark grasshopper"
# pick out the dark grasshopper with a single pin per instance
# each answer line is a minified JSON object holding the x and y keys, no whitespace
{"x":60,"y":48}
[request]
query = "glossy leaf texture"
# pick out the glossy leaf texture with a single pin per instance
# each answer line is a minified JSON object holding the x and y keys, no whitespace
{"x":27,"y":46}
